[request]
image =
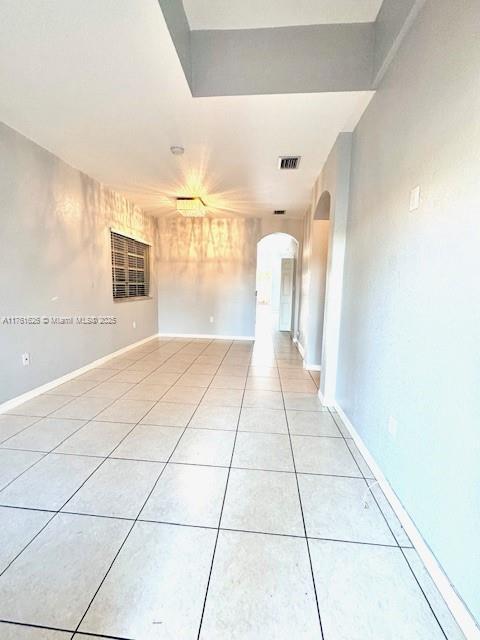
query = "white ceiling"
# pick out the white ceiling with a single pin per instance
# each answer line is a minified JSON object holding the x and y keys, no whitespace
{"x":254,"y":14}
{"x":100,"y":85}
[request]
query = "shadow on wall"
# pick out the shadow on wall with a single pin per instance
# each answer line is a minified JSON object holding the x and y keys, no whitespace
{"x":322,"y":212}
{"x":208,"y":240}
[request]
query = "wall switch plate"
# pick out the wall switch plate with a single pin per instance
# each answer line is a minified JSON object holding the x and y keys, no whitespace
{"x":26,"y":359}
{"x":211,"y":319}
{"x":392,"y":427}
{"x":415,"y":198}
{"x":134,"y":324}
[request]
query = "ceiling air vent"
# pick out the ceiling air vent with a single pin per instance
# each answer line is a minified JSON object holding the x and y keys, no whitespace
{"x":279,"y":212}
{"x":288,"y":162}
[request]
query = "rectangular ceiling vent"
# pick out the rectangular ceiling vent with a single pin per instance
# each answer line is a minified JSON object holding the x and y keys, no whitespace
{"x":279,"y":212}
{"x":288,"y":162}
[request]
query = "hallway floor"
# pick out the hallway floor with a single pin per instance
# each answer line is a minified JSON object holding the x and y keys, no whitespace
{"x":199,"y":489}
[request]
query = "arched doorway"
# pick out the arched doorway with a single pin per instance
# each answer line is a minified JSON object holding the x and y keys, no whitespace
{"x":277,"y":255}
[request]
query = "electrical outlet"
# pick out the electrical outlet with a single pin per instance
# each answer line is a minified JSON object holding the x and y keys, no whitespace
{"x":415,"y":198}
{"x":211,"y":319}
{"x":392,"y":427}
{"x":26,"y":359}
{"x":134,"y":324}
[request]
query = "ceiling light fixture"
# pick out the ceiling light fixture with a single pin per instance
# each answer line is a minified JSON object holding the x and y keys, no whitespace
{"x":191,"y":207}
{"x":177,"y":150}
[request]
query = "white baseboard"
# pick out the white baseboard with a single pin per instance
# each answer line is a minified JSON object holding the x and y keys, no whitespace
{"x":454,"y":602}
{"x":210,"y":336}
{"x":29,"y":395}
{"x":301,"y":350}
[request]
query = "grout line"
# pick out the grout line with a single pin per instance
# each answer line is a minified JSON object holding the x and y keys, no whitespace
{"x":391,"y":531}
{"x":322,"y":635}
{"x":220,"y":518}
{"x":76,"y":491}
{"x":39,"y":626}
{"x":138,"y":514}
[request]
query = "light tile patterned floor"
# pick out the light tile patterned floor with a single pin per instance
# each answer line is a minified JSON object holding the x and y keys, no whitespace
{"x":199,"y":489}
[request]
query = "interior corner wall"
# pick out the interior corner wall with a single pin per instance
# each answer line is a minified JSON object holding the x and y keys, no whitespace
{"x":410,"y":331}
{"x":55,"y":260}
{"x":207,"y":273}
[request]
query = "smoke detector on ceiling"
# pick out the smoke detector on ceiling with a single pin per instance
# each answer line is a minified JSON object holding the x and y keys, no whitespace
{"x":288,"y":162}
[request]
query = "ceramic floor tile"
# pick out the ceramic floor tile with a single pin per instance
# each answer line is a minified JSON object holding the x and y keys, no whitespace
{"x":323,"y":455}
{"x":128,"y":376}
{"x":263,"y":372}
{"x":95,"y":438}
{"x":303,"y":401}
{"x":202,"y":446}
{"x":17,"y":528}
{"x":442,"y":612}
{"x":264,"y":501}
{"x":169,"y":414}
{"x":40,"y":406}
{"x":300,"y":386}
{"x":82,"y":408}
{"x":126,"y":410}
{"x":342,"y":509}
{"x":195,"y":380}
{"x":266,"y":451}
{"x":161,"y":377}
{"x":223,"y":397}
{"x":233,"y":370}
{"x":266,"y":420}
{"x":185,"y":395}
{"x":364,"y":468}
{"x":49,"y":483}
{"x":203,"y":369}
{"x":144,"y":391}
{"x":118,"y":489}
{"x":295,"y":374}
{"x":39,"y":589}
{"x":312,"y":423}
{"x":261,"y":587}
{"x":72,"y":388}
{"x":228,"y":382}
{"x":164,"y":570}
{"x":263,"y":399}
{"x":206,"y":417}
{"x":263,"y":384}
{"x":390,"y":516}
{"x":11,"y":425}
{"x":44,"y":435}
{"x":187,"y":494}
{"x":97,"y":375}
{"x":14,"y":463}
{"x":367,"y":592}
{"x":9,"y":631}
{"x":147,"y":442}
{"x":341,"y":427}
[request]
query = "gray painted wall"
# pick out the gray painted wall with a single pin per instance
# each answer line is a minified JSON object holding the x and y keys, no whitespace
{"x":306,"y":59}
{"x":410,"y":330}
{"x":55,"y":260}
{"x":207,"y":268}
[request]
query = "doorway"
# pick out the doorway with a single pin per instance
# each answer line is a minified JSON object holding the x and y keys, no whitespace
{"x":275,"y":282}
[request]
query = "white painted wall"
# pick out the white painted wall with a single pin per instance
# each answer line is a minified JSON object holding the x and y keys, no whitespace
{"x":207,"y":269}
{"x":410,"y":333}
{"x":55,"y":260}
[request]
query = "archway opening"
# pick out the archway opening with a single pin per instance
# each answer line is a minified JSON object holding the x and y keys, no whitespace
{"x":277,"y":255}
{"x":322,"y":211}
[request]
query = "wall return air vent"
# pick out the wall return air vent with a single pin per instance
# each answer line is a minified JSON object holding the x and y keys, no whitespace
{"x":288,"y":162}
{"x":279,"y":212}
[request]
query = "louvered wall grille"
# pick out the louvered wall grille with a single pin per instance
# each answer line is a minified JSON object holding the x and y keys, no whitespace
{"x":130,"y":267}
